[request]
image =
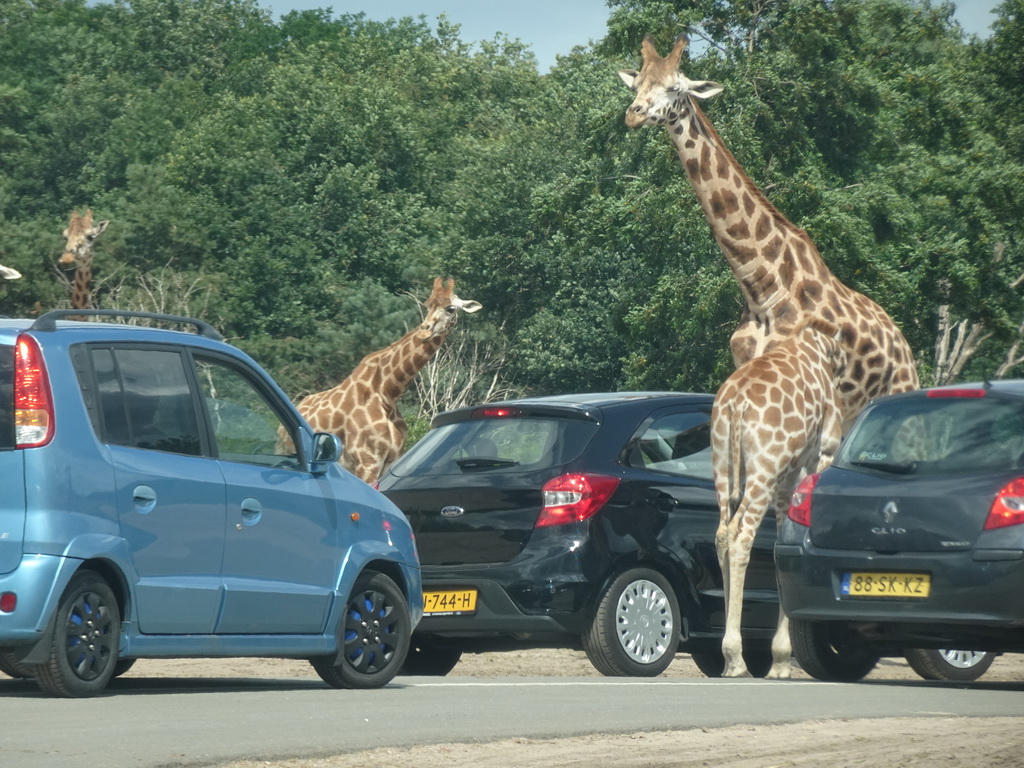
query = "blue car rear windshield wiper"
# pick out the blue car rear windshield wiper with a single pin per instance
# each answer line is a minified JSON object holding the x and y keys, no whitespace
{"x":483,"y":462}
{"x":895,"y":467}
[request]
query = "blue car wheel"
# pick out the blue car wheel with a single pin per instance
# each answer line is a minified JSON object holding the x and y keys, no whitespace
{"x":373,"y":636}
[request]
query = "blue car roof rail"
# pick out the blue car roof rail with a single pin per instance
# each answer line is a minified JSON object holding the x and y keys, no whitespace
{"x":48,"y":321}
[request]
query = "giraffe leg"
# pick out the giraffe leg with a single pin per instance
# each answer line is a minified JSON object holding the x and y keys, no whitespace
{"x":782,"y":647}
{"x":739,"y":541}
{"x":732,"y":644}
{"x":782,"y":650}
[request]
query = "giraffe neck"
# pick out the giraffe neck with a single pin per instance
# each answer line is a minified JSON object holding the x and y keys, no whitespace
{"x":81,"y":287}
{"x":767,"y":253}
{"x":391,"y":370}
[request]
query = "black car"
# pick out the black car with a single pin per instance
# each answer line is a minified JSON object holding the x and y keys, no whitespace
{"x":578,"y":520}
{"x":914,"y":537}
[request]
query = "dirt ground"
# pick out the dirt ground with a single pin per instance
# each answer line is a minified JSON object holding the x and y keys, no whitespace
{"x":893,"y":743}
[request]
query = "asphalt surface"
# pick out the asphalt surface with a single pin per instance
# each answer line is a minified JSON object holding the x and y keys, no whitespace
{"x":145,"y":723}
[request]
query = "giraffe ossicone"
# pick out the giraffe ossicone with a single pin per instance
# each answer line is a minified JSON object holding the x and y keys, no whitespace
{"x":363,"y":409}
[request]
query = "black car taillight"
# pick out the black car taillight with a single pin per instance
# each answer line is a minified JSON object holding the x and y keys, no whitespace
{"x":574,"y":498}
{"x":800,"y":505}
{"x":1008,"y":507}
{"x":33,"y":402}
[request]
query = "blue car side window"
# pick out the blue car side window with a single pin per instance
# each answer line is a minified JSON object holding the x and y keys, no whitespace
{"x":145,"y":400}
{"x":246,"y":428}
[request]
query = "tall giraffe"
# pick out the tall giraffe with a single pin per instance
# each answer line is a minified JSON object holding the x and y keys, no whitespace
{"x":775,"y":419}
{"x":363,"y":409}
{"x":79,"y":238}
{"x":784,"y":281}
{"x":780,"y":272}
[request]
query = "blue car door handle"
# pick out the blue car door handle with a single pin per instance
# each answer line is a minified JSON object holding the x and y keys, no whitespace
{"x":143,"y":499}
{"x":251,"y":512}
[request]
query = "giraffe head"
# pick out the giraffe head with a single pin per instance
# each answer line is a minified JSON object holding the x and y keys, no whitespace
{"x":79,"y":238}
{"x":442,"y":310}
{"x":663,"y":93}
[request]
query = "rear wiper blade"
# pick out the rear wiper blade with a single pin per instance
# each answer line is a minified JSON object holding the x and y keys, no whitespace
{"x":482,"y":462}
{"x":895,"y":467}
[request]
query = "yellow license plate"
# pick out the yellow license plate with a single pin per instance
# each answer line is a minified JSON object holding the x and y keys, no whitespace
{"x":451,"y":602}
{"x":906,"y":585}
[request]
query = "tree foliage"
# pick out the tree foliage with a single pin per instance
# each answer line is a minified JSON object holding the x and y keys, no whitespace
{"x":295,"y":181}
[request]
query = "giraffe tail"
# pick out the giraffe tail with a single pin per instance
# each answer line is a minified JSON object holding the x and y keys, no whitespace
{"x":737,"y":476}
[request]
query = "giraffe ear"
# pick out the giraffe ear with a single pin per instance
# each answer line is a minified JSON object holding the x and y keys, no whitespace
{"x":703,"y":89}
{"x":467,"y":305}
{"x":100,"y":226}
{"x":628,"y":76}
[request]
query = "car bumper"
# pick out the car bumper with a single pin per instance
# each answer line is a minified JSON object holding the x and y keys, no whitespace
{"x":973,"y":594}
{"x":37,"y":582}
{"x":545,"y":590}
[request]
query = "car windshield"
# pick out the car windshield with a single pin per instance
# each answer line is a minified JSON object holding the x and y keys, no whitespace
{"x":938,"y":436}
{"x":496,"y":445}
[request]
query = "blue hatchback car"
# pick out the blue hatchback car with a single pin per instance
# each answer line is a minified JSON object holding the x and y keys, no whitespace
{"x":163,"y":498}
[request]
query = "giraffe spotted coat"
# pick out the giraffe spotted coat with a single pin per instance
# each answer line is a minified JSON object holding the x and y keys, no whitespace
{"x":782,"y":276}
{"x":79,"y":238}
{"x":775,"y":419}
{"x":363,"y":409}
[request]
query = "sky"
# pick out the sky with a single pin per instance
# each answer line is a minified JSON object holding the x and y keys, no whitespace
{"x":549,"y":27}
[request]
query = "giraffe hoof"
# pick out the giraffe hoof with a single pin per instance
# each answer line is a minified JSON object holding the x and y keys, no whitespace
{"x":736,"y":670}
{"x":780,"y":672}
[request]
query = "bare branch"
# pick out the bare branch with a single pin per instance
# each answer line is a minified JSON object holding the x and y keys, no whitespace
{"x":463,"y":372}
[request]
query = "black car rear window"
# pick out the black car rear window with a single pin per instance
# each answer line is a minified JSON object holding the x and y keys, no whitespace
{"x":938,"y":436}
{"x":517,"y":444}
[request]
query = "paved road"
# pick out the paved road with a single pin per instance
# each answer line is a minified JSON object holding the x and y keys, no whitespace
{"x":145,"y":723}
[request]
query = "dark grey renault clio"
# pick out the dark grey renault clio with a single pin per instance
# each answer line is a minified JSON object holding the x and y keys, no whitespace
{"x":913,"y":538}
{"x":577,"y":520}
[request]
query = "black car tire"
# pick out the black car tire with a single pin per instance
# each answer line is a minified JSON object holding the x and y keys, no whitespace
{"x":640,"y":598}
{"x":426,"y":658}
{"x":758,"y":657}
{"x":373,"y":634}
{"x":948,"y":664}
{"x":10,"y":666}
{"x":831,"y":651}
{"x":86,"y":636}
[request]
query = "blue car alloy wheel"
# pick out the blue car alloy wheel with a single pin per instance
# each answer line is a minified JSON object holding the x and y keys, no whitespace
{"x":84,"y":650}
{"x":370,"y":632}
{"x":374,"y":636}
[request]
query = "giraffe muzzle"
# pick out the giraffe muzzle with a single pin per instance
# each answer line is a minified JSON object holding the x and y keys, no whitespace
{"x":636,"y":116}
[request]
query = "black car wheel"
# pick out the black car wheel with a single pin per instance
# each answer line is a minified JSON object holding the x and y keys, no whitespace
{"x":425,"y":658}
{"x":758,"y":657}
{"x":635,"y":631}
{"x":83,"y":654}
{"x":947,"y":664}
{"x":373,"y":633}
{"x":10,"y":666}
{"x":831,"y":651}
